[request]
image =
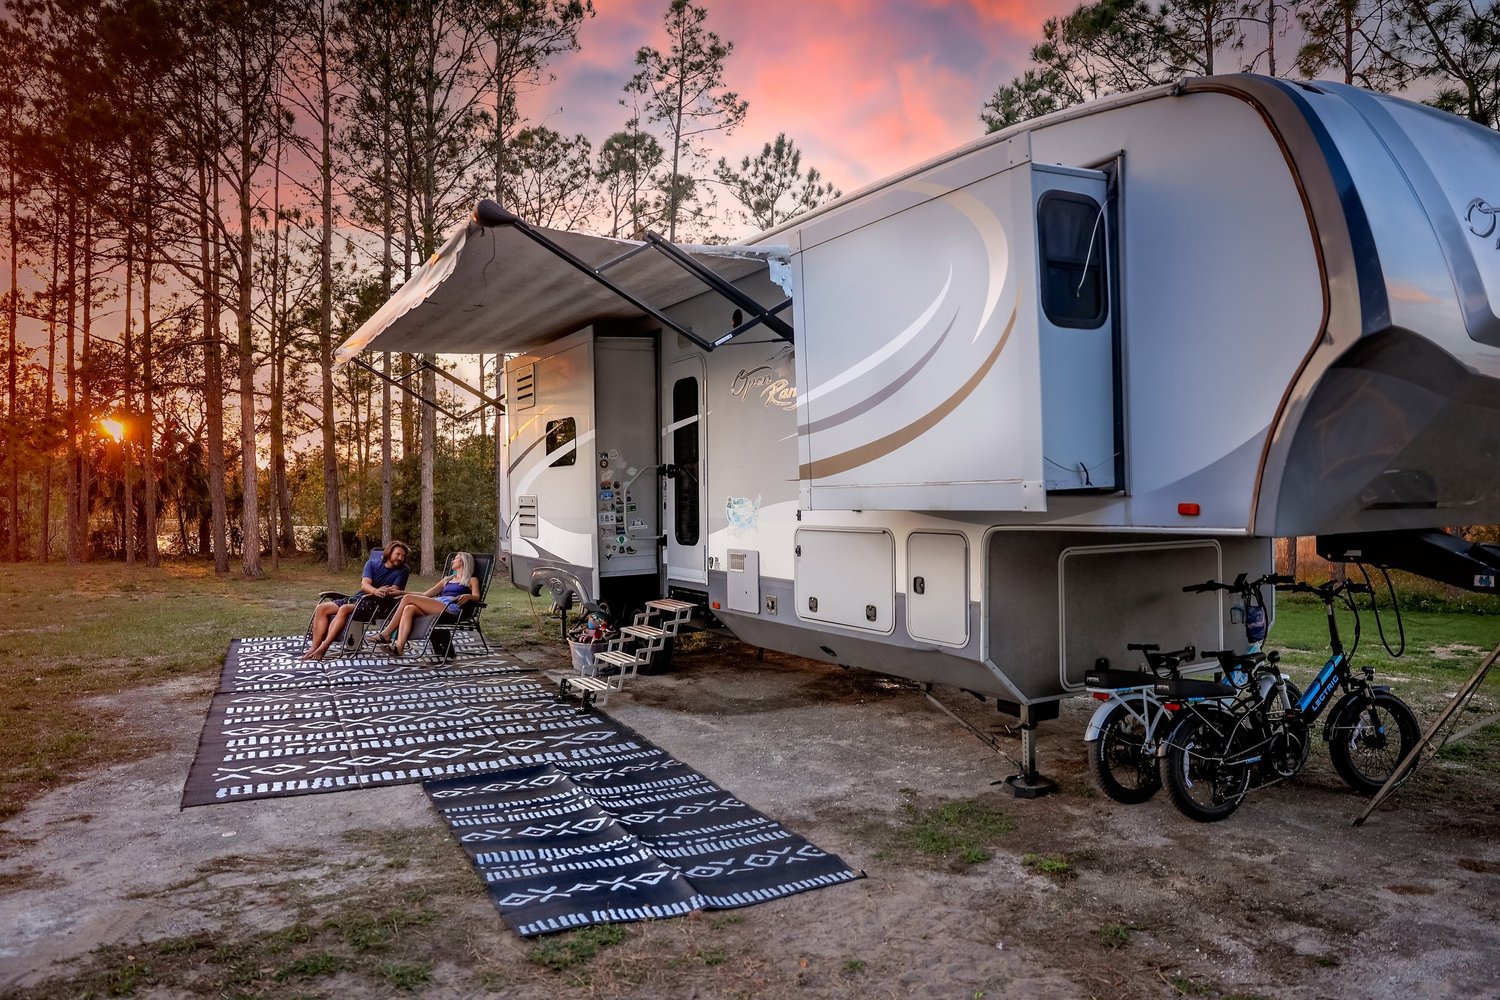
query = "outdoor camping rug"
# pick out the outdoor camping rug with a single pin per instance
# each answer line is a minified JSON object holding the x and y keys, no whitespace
{"x":280,"y":727}
{"x":570,"y":817}
{"x":625,"y":833}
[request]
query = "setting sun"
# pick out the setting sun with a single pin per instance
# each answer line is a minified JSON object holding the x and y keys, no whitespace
{"x":113,"y":428}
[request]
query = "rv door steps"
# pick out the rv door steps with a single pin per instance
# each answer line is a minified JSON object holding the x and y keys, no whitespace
{"x":592,"y":690}
{"x":645,"y":640}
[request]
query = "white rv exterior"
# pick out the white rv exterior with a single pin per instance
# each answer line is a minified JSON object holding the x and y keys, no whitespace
{"x":1037,"y":384}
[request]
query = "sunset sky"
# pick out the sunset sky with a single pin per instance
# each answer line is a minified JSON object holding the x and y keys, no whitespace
{"x":864,"y":89}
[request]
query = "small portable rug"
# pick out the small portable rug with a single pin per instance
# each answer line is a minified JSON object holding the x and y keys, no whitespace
{"x":280,"y":727}
{"x":629,"y":833}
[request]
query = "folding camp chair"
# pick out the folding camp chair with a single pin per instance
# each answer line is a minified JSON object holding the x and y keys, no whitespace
{"x":370,"y":613}
{"x":440,"y":632}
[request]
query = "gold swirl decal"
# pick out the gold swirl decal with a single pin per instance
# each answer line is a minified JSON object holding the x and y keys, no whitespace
{"x":822,"y":468}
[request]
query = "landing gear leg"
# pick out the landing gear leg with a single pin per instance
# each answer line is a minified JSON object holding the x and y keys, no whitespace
{"x":1029,"y":784}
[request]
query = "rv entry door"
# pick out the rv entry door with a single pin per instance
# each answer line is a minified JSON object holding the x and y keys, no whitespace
{"x":683,"y":439}
{"x":1081,"y":431}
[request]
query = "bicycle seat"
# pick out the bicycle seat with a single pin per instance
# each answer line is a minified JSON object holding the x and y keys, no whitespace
{"x":1229,"y":659}
{"x":1187,"y":688}
{"x":1117,"y":678}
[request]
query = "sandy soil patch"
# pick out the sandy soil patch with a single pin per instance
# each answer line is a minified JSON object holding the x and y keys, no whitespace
{"x":1077,"y":897}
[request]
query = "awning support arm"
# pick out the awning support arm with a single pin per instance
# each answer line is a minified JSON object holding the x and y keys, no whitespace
{"x":758,"y":312}
{"x":361,"y":362}
{"x":422,"y":363}
{"x":622,"y":258}
{"x":490,"y":214}
{"x":753,"y":321}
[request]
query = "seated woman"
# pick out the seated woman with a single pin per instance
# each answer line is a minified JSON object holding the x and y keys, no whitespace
{"x":443,"y":597}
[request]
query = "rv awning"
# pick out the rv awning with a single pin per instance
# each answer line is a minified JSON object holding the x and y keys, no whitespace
{"x":491,"y":289}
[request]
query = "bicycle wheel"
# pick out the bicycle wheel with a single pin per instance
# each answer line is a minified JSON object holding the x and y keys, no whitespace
{"x":1122,"y":766}
{"x":1368,"y":736}
{"x":1202,"y":780}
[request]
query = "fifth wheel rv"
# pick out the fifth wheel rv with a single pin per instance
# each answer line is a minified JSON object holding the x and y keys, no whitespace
{"x":978,"y":423}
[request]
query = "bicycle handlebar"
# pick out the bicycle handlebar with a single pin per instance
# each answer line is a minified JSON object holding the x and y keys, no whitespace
{"x":1329,"y":590}
{"x":1241,"y":584}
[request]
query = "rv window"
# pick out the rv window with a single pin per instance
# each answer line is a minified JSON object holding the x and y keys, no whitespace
{"x":561,"y":433}
{"x":685,"y":457}
{"x":1070,"y":237}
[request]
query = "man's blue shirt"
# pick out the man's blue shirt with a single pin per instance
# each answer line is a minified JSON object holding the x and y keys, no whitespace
{"x":382,"y":575}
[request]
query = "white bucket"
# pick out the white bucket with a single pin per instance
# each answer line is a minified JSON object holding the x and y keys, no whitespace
{"x":583,"y":656}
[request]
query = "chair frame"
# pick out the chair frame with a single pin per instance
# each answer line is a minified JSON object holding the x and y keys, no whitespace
{"x":467,"y":619}
{"x":369,"y":612}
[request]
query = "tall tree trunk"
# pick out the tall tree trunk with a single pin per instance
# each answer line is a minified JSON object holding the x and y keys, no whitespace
{"x":86,"y":379}
{"x":278,"y":370}
{"x":1349,"y":6}
{"x":408,"y":410}
{"x":213,"y":377}
{"x":1271,"y":36}
{"x":385,"y":451}
{"x":148,"y":383}
{"x":127,"y":511}
{"x":429,"y":448}
{"x":74,"y":553}
{"x":387,"y":273}
{"x":244,"y":315}
{"x":44,"y":540}
{"x":325,"y":330}
{"x":13,"y":439}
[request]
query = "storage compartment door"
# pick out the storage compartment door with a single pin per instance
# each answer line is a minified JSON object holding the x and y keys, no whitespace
{"x":937,"y":587}
{"x":1080,"y":426}
{"x":846,"y":577}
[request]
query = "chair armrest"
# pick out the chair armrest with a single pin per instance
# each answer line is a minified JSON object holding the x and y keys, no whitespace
{"x":331,"y":593}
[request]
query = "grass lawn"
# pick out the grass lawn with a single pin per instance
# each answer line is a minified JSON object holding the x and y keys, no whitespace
{"x":1442,"y":650}
{"x":76,"y":634}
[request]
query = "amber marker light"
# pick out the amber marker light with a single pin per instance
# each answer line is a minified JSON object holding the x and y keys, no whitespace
{"x":1189,"y":509}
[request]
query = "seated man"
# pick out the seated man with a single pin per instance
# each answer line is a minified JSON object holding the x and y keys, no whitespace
{"x":385,"y":577}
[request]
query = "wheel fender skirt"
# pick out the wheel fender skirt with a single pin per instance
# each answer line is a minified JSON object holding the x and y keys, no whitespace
{"x":1096,"y":722}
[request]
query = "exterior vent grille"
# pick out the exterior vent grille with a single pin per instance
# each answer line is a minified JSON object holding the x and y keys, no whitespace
{"x":526,"y":516}
{"x":523,"y":387}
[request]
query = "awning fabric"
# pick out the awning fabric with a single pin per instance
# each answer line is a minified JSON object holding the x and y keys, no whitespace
{"x":492,"y":290}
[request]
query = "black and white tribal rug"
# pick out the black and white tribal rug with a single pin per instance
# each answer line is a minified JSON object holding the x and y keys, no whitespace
{"x":280,"y":727}
{"x":628,"y":833}
{"x":570,"y":817}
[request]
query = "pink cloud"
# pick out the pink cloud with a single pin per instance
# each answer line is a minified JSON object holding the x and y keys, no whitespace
{"x":864,"y":89}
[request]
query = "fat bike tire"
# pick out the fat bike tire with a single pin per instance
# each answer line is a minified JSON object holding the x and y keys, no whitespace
{"x":1366,"y":752}
{"x":1119,"y":761}
{"x":1199,"y":782}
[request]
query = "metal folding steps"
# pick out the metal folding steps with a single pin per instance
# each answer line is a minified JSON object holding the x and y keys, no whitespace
{"x":637,"y":645}
{"x":593,"y":690}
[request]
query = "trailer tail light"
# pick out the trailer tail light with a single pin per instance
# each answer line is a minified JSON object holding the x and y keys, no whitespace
{"x":1189,"y":509}
{"x":1100,"y":695}
{"x":1172,"y":706}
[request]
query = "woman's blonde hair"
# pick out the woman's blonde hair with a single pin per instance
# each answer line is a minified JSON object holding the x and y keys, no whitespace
{"x":468,"y":560}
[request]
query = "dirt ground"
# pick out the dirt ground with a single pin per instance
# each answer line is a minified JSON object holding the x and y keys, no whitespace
{"x":108,"y":889}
